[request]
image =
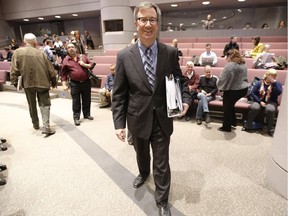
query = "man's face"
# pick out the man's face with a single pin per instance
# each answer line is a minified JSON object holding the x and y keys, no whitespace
{"x":208,"y":48}
{"x":147,"y":29}
{"x":189,"y":68}
{"x":208,"y":72}
{"x":234,"y":40}
{"x":71,"y":50}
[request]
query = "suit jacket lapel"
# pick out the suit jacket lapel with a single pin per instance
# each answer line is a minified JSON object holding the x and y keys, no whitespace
{"x":161,"y":62}
{"x":138,"y":64}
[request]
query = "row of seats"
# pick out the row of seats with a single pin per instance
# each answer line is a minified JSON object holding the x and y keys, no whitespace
{"x":221,"y":62}
{"x":264,"y":39}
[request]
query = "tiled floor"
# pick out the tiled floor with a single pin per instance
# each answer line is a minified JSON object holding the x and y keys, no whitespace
{"x":85,"y":170}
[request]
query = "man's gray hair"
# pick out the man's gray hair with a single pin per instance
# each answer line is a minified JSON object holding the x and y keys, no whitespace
{"x":29,"y":38}
{"x":145,"y":5}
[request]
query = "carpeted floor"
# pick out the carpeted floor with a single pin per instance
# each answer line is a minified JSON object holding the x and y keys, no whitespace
{"x":87,"y":171}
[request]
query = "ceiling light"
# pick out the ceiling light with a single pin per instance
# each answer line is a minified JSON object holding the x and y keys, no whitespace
{"x":174,"y":5}
{"x":40,"y":18}
{"x":206,"y":2}
{"x":75,"y":15}
{"x":224,"y":17}
{"x":239,"y":10}
{"x":58,"y":17}
{"x":169,"y":23}
{"x":26,"y":20}
{"x":241,"y":0}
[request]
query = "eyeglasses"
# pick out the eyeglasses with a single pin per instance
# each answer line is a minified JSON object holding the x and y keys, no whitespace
{"x":144,"y":20}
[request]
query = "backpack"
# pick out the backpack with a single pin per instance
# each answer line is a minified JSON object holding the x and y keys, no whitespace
{"x":250,"y":88}
{"x":281,"y":62}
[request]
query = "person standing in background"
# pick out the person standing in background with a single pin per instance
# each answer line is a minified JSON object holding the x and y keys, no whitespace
{"x":105,"y":93}
{"x":89,"y":40}
{"x":78,"y":43}
{"x":139,"y":96}
{"x":37,"y":75}
{"x":233,"y":82}
{"x":208,"y":23}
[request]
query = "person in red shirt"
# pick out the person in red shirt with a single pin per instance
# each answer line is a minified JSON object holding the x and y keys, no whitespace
{"x":75,"y":70}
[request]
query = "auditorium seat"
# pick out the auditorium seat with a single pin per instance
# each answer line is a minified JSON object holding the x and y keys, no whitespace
{"x":102,"y":69}
{"x":212,"y":39}
{"x":184,"y":45}
{"x":105,"y":59}
{"x":111,"y":52}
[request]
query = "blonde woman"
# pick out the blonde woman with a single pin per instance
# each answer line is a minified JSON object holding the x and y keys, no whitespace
{"x":265,"y":101}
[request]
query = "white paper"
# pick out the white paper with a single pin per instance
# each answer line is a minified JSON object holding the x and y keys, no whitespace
{"x":173,"y":97}
{"x":19,"y":84}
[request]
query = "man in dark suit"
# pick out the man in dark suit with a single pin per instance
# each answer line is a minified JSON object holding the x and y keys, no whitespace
{"x":140,"y":98}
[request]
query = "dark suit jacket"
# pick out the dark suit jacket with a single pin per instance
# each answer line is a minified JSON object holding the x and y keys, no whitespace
{"x":133,"y":97}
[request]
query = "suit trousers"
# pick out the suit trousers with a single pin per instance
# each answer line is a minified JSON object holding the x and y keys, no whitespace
{"x":43,"y":98}
{"x":230,"y":97}
{"x":160,"y":151}
{"x":80,"y":90}
{"x":260,"y":112}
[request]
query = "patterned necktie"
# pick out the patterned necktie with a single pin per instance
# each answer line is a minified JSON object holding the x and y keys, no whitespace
{"x":148,"y":66}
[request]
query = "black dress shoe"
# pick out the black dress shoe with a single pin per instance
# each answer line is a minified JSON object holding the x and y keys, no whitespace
{"x":76,"y":122}
{"x":89,"y":117}
{"x":139,"y":181}
{"x":3,"y":140}
{"x":224,"y":129}
{"x":2,"y":147}
{"x":164,"y":210}
{"x":2,"y":167}
{"x":2,"y":182}
{"x":199,"y":121}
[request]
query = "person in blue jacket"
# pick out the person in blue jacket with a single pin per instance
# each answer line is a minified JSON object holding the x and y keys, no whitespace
{"x":265,"y":101}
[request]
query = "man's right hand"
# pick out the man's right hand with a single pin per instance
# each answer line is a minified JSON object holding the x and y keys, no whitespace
{"x":121,"y":134}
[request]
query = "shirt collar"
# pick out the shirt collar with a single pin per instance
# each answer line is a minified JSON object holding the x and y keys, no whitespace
{"x":143,"y":48}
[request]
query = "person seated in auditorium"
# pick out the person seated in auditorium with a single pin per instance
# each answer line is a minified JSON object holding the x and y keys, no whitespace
{"x":135,"y":38}
{"x":265,"y":59}
{"x":190,"y":87}
{"x":208,"y":23}
{"x":247,"y":26}
{"x":208,"y":57}
{"x":175,"y":44}
{"x":1,"y":57}
{"x":231,"y":45}
{"x":282,"y":24}
{"x":9,"y":54}
{"x":13,"y":45}
{"x":105,"y":93}
{"x":265,"y":26}
{"x":207,"y":90}
{"x":257,"y":48}
{"x":265,"y":101}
